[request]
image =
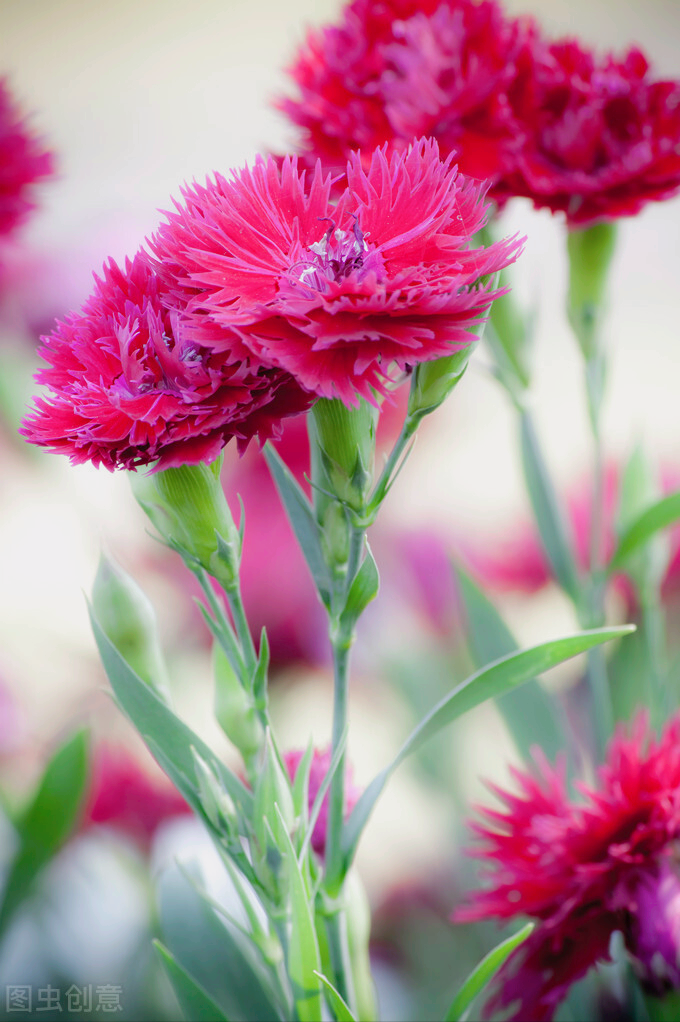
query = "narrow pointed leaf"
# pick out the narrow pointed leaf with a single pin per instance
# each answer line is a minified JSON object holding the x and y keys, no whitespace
{"x":154,"y":720}
{"x":547,"y":511}
{"x":364,"y":588}
{"x":304,"y":960}
{"x":340,"y":1009}
{"x":302,"y":520}
{"x":321,"y":793}
{"x":195,"y":1003}
{"x":660,"y":515}
{"x":48,"y":821}
{"x":492,"y":681}
{"x":485,"y":971}
{"x":217,"y":957}
{"x":529,"y":712}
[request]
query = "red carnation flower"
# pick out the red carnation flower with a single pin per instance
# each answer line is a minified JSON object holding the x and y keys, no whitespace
{"x":599,"y":137}
{"x":595,"y":138}
{"x":585,"y":870}
{"x":319,"y":767}
{"x":23,"y":161}
{"x":335,"y":294}
{"x":124,"y":797}
{"x":128,"y":387}
{"x":392,"y":71}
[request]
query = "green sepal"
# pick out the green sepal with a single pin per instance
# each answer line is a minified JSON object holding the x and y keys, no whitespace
{"x":530,"y":714}
{"x":344,"y":437}
{"x":235,"y":707}
{"x":271,"y":789}
{"x":491,"y":682}
{"x":196,"y":1004}
{"x":302,"y":519}
{"x":47,"y":822}
{"x":482,"y":975}
{"x":590,"y":253}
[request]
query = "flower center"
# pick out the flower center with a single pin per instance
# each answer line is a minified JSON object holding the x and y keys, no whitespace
{"x":337,"y":255}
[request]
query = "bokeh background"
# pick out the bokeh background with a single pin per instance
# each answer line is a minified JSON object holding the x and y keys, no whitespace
{"x":136,"y":98}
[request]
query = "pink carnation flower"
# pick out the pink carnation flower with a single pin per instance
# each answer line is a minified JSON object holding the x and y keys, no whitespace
{"x":594,"y":138}
{"x":23,"y":162}
{"x":586,"y":869}
{"x":337,"y":294}
{"x":392,"y":71}
{"x":320,"y":764}
{"x":124,"y":797}
{"x":600,"y":137}
{"x":128,"y":387}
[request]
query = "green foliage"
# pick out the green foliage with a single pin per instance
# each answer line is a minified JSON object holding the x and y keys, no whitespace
{"x":480,"y":977}
{"x":47,"y":822}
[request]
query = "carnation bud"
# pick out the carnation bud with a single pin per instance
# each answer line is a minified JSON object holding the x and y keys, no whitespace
{"x":590,"y":255}
{"x":433,"y":382}
{"x":216,"y":801}
{"x":235,"y":708}
{"x":188,"y":507}
{"x":343,"y":439}
{"x":127,"y":618}
{"x":272,"y":788}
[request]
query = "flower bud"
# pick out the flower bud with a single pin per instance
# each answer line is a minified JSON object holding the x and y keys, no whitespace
{"x":234,"y":708}
{"x":343,"y":440}
{"x":272,"y":788}
{"x":590,"y":255}
{"x":434,"y":381}
{"x":188,"y":507}
{"x":127,"y":618}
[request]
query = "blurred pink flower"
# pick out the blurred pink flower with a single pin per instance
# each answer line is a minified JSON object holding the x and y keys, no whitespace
{"x":593,"y":137}
{"x":127,"y":388}
{"x":23,"y":162}
{"x":337,"y":294}
{"x":585,"y":869}
{"x":320,"y":764}
{"x":124,"y":797}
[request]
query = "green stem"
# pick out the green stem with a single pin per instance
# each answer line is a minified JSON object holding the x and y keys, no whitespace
{"x":391,"y":466}
{"x":653,"y":628}
{"x":243,"y":633}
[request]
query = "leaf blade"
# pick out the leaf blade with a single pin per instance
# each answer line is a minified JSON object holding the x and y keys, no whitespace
{"x":484,"y":973}
{"x":660,"y":515}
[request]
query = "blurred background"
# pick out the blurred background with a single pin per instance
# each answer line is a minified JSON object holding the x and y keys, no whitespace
{"x":134,"y":99}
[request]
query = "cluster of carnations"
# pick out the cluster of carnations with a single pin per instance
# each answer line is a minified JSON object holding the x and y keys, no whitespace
{"x":592,"y":137}
{"x":333,"y":274}
{"x":261,"y":293}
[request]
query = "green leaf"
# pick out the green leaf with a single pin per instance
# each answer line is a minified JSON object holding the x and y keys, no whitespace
{"x":48,"y":821}
{"x":302,"y":519}
{"x":196,"y":1005}
{"x":340,"y":1009}
{"x":485,"y":971}
{"x":363,"y":589}
{"x":529,"y":712}
{"x":662,"y":514}
{"x":492,"y":681}
{"x":304,"y":960}
{"x":163,"y":731}
{"x":219,"y":959}
{"x":547,"y":511}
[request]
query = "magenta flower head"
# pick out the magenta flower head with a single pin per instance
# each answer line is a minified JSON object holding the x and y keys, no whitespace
{"x":391,"y":71}
{"x":23,"y":162}
{"x":128,"y":387}
{"x":600,"y":137}
{"x":320,"y":764}
{"x":338,"y":294}
{"x":586,"y":869}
